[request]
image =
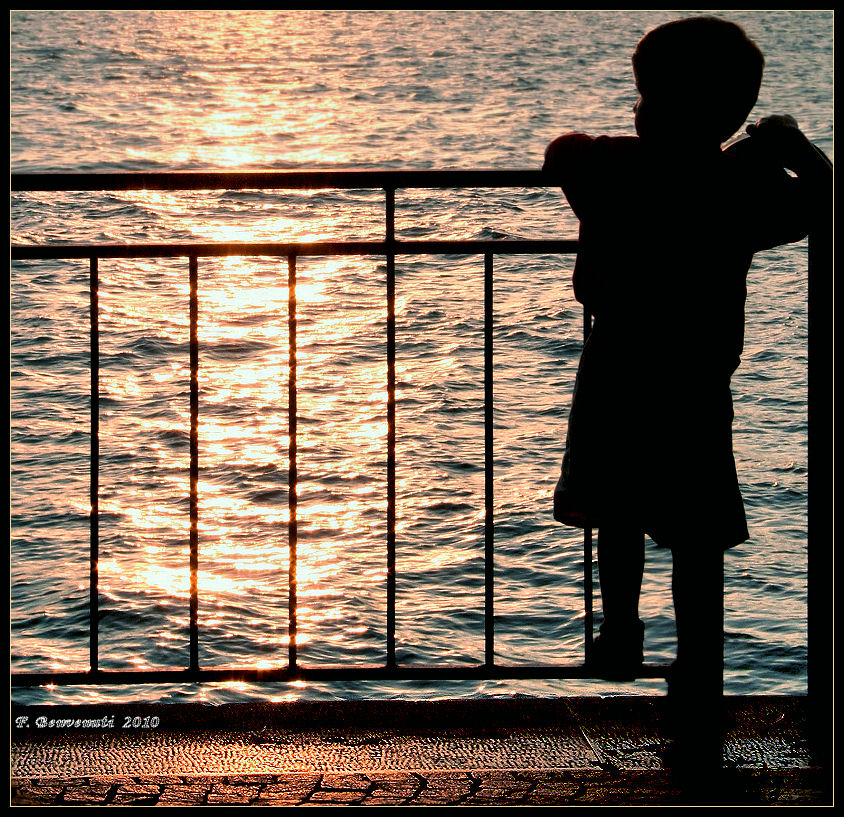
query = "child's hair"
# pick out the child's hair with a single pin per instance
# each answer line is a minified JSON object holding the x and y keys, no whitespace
{"x":704,"y":67}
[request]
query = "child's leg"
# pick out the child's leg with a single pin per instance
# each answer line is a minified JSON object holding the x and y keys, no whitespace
{"x":621,"y":563}
{"x":617,"y":652}
{"x":696,"y":685}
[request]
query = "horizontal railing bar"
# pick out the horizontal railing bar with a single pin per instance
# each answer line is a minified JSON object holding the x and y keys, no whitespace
{"x":280,"y":180}
{"x":27,"y":252}
{"x":317,"y":674}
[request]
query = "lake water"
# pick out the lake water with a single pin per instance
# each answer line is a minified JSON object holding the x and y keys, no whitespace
{"x":193,"y":90}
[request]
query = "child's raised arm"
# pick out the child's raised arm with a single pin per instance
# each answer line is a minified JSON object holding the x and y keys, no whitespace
{"x":782,"y":140}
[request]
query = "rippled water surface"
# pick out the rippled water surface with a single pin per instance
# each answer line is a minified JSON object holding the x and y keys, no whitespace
{"x":194,"y":90}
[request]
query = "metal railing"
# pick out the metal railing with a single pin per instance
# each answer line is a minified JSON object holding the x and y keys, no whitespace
{"x":390,"y":247}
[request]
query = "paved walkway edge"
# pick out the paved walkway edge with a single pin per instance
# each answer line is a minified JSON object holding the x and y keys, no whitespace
{"x":458,"y":787}
{"x":616,"y":761}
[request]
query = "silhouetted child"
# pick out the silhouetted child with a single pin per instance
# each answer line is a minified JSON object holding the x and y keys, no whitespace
{"x":669,"y":223}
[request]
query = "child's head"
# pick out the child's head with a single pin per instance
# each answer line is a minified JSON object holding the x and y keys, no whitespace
{"x":698,"y":79}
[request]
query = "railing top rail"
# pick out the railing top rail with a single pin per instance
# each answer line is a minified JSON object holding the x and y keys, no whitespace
{"x":280,"y":180}
{"x":21,"y":252}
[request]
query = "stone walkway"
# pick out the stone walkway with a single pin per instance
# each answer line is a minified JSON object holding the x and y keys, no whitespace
{"x":444,"y":788}
{"x":513,"y":752}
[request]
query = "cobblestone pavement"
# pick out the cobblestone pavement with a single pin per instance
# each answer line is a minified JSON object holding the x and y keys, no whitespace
{"x":469,"y":788}
{"x":567,"y":751}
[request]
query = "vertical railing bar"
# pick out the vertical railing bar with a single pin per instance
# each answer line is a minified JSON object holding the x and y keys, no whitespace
{"x":588,"y":602}
{"x":588,"y":618}
{"x":489,"y":462}
{"x":94,"y":577}
{"x":194,"y":462}
{"x":292,"y":468}
{"x":390,"y":237}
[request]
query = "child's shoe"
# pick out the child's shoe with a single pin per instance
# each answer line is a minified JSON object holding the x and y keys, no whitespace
{"x":618,"y":652}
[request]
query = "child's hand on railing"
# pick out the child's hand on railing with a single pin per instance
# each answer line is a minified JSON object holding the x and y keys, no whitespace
{"x":780,"y":136}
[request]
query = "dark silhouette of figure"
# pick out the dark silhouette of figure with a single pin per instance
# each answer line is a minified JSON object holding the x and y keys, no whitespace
{"x":669,"y":223}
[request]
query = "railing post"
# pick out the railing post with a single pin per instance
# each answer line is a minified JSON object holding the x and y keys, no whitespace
{"x":390,"y":237}
{"x":489,"y":466}
{"x":94,"y":557}
{"x":194,"y":463}
{"x":820,"y":576}
{"x":293,"y":467}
